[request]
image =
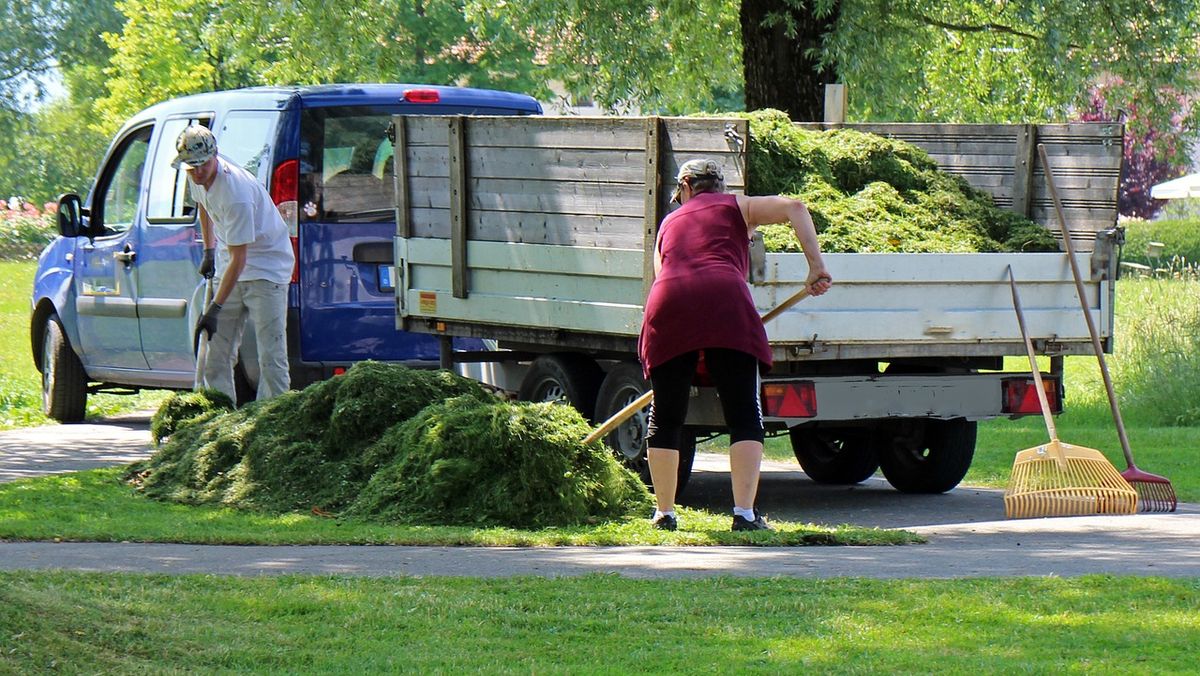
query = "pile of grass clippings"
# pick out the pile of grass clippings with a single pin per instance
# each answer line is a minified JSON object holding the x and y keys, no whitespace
{"x":516,"y":464}
{"x":183,"y":407}
{"x":868,"y":193}
{"x":337,"y":446}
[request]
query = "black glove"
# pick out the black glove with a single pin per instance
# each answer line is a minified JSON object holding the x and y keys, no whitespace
{"x":208,"y":266}
{"x":208,"y":321}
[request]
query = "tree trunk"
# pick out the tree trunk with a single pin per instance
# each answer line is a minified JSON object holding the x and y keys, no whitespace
{"x":778,"y":72}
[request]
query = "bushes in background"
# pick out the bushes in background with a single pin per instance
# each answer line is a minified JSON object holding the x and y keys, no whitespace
{"x":1180,"y":239}
{"x":24,"y":229}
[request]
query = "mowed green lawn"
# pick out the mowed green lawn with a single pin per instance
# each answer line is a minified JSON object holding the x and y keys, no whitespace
{"x":127,"y":623}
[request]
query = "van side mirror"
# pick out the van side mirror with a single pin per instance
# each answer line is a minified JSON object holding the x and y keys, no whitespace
{"x":70,"y":219}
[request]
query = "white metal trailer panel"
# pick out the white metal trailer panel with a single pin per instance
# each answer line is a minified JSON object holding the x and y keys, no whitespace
{"x":931,"y":303}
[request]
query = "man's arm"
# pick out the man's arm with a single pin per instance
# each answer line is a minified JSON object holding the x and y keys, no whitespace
{"x":778,"y":209}
{"x":208,"y":261}
{"x":206,"y":232}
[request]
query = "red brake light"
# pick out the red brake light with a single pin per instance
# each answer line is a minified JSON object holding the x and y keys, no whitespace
{"x":285,"y":186}
{"x":285,"y":182}
{"x":1020,"y":396}
{"x":790,"y":400}
{"x":422,"y":95}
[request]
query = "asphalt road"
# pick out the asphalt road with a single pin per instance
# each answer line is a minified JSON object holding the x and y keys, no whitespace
{"x":967,"y":533}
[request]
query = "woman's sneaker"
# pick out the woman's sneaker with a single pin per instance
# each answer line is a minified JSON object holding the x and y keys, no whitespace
{"x":665,"y":522}
{"x":742,"y":523}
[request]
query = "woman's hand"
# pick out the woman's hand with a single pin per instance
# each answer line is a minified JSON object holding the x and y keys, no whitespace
{"x":819,"y":281}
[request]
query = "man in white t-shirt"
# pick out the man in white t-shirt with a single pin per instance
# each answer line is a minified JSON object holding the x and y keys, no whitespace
{"x":254,"y":263}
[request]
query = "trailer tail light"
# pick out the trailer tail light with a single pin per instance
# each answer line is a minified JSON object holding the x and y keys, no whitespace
{"x":285,"y":193}
{"x":422,"y":96}
{"x":790,"y":400}
{"x":1020,"y":396}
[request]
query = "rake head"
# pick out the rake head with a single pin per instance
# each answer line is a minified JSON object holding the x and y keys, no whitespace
{"x":1058,"y":479}
{"x":1155,"y":493}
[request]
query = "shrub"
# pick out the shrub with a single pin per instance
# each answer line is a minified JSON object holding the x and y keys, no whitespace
{"x":1180,"y":239}
{"x":24,"y":231}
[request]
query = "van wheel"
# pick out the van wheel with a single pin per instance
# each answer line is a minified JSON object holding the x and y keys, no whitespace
{"x":569,"y":378}
{"x":623,"y":385}
{"x":836,"y":456}
{"x":934,"y":458}
{"x":64,"y":382}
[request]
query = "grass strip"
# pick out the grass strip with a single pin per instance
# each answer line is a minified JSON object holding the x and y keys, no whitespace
{"x":97,"y":506}
{"x":82,"y":622}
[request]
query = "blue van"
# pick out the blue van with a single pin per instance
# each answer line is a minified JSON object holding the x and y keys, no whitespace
{"x":117,"y":294}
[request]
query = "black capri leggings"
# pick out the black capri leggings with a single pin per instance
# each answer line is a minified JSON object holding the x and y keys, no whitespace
{"x":734,"y":373}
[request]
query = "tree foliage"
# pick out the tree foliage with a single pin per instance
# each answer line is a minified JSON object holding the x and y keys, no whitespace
{"x":903,"y":60}
{"x":174,"y":47}
{"x":1020,"y":60}
{"x":674,"y":56}
{"x":52,"y":146}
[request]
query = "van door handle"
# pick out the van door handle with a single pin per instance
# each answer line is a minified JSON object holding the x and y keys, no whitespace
{"x":128,"y":256}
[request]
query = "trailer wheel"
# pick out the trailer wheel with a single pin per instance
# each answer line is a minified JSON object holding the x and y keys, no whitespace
{"x":934,"y":459}
{"x":623,"y":384}
{"x":64,"y":382}
{"x":836,"y":455}
{"x":569,"y":378}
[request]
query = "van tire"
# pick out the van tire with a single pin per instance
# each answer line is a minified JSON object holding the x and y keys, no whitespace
{"x":64,"y":382}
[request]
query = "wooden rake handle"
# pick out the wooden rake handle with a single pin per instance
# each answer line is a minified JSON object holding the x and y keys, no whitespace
{"x":1033,"y":365}
{"x":1087,"y":312}
{"x":642,"y":401}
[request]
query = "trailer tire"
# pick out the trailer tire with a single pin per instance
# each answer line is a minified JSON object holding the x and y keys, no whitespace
{"x":623,"y":384}
{"x":836,"y":456}
{"x":932,"y":462}
{"x":571,"y":378}
{"x":64,"y":382}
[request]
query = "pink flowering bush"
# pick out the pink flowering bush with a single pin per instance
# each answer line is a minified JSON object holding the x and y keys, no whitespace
{"x":24,"y":229}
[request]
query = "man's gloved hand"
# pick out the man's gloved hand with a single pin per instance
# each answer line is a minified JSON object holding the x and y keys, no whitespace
{"x":208,"y":321}
{"x":208,"y":266}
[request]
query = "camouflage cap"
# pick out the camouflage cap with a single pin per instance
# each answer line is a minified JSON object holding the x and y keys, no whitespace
{"x":698,"y":168}
{"x":195,"y":145}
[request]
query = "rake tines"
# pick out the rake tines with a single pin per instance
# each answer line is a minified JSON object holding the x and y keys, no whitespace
{"x":1155,"y":493}
{"x":1058,"y":479}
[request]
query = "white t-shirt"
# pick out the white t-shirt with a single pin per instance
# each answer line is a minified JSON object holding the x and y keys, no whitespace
{"x":242,"y":213}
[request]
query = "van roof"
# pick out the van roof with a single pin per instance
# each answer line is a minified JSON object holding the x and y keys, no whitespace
{"x":338,"y":95}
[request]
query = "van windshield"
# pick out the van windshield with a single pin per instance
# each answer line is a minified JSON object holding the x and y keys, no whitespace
{"x":346,"y":165}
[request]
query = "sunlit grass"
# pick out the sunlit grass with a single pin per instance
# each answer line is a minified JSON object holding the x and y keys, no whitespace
{"x":75,"y":622}
{"x":97,"y":505}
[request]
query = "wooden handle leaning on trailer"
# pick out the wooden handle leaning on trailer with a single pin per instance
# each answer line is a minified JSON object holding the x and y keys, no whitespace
{"x":642,"y":401}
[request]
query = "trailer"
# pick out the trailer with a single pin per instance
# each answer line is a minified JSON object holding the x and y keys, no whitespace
{"x":536,"y":234}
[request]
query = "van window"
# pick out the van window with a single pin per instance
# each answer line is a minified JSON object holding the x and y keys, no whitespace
{"x":123,"y":183}
{"x":245,"y":138}
{"x":170,"y":199}
{"x":346,"y":165}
